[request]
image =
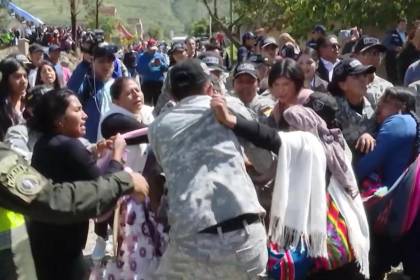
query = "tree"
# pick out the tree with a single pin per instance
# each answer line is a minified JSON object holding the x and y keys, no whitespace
{"x":299,"y":16}
{"x":76,"y":6}
{"x":106,"y":23}
{"x":156,"y":32}
{"x":252,"y":13}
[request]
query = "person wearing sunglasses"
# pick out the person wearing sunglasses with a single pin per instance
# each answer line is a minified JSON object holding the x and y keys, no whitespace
{"x":328,"y":51}
{"x":369,"y":51}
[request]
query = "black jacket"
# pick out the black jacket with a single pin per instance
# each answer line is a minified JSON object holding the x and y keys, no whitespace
{"x":322,"y":71}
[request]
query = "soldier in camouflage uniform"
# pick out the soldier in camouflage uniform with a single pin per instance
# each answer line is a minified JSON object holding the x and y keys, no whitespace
{"x":245,"y":86}
{"x":369,"y":51}
{"x":214,"y":214}
{"x":355,"y":113}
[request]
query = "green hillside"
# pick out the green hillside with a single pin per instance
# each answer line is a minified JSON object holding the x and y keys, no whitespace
{"x":168,"y":14}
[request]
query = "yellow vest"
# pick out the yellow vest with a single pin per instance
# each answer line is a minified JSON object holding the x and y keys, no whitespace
{"x":10,"y":220}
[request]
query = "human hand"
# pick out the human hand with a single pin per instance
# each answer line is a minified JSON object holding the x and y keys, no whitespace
{"x":221,"y":112}
{"x":102,"y":146}
{"x":119,"y":144}
{"x":366,"y":143}
{"x":141,"y":187}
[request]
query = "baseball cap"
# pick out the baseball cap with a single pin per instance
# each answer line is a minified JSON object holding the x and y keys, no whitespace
{"x":245,"y":68}
{"x":53,"y":48}
{"x":367,"y":42}
{"x":347,"y":67}
{"x":186,"y":75}
{"x":35,"y":48}
{"x":105,"y":50}
{"x":248,"y":36}
{"x":152,"y":44}
{"x":177,"y":47}
{"x":213,"y":61}
{"x":319,"y":28}
{"x":269,"y":41}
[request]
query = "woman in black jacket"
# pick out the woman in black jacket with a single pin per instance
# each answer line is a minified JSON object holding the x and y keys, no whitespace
{"x":60,"y":156}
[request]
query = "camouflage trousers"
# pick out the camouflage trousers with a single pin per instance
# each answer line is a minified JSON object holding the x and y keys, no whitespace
{"x":240,"y":254}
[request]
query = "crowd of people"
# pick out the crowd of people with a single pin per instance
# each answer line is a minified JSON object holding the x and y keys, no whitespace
{"x":299,"y":163}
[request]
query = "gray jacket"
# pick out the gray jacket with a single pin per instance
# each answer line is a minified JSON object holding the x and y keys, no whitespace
{"x":204,"y":166}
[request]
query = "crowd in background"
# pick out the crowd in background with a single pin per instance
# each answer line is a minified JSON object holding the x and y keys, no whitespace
{"x":219,"y":137}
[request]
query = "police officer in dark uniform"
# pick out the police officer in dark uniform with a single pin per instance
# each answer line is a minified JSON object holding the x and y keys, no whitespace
{"x":23,"y":191}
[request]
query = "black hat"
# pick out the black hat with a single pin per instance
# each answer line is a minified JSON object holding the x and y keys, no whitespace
{"x":367,"y":42}
{"x":105,"y":50}
{"x":325,"y":105}
{"x":319,"y":28}
{"x":347,"y":67}
{"x":213,"y":61}
{"x":245,"y":68}
{"x":35,"y":48}
{"x":269,"y":41}
{"x":350,"y":67}
{"x":248,"y":36}
{"x":186,"y":75}
{"x":177,"y":47}
{"x":53,"y":48}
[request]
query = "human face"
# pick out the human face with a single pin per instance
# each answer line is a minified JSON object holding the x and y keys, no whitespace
{"x":355,"y":86}
{"x":284,"y":90}
{"x":47,"y":75}
{"x":250,"y":43}
{"x":18,"y":83}
{"x":245,"y":87}
{"x":330,"y":50}
{"x":402,"y":26}
{"x":191,"y":45}
{"x":131,"y":97}
{"x":270,"y":51}
{"x":54,"y":56}
{"x":72,"y":124}
{"x":371,"y":56}
{"x":386,"y":108}
{"x":103,"y":67}
{"x":308,"y":66}
{"x":37,"y":58}
{"x":179,"y":55}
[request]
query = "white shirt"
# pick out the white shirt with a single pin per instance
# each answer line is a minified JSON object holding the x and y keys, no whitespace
{"x":330,"y":67}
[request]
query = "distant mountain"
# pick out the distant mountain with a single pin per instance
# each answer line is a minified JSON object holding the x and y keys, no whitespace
{"x":168,"y":14}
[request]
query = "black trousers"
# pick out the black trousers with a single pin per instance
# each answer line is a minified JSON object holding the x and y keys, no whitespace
{"x":151,"y":91}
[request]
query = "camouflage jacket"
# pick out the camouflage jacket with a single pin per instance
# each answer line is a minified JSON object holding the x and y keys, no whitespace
{"x":204,"y":166}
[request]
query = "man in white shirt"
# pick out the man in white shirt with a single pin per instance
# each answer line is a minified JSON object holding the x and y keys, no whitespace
{"x":328,"y":50}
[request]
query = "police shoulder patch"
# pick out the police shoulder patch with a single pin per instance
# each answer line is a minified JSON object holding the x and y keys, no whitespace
{"x":19,"y":178}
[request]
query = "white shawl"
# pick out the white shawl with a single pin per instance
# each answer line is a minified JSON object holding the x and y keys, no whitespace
{"x":299,"y":205}
{"x":354,"y":214}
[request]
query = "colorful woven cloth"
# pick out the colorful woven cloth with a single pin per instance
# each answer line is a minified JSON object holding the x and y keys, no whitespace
{"x":338,"y":245}
{"x":288,"y":264}
{"x":394,"y":214}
